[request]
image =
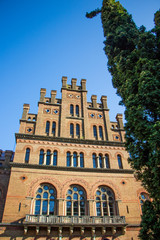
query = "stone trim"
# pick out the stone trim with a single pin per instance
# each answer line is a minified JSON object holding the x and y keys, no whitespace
{"x":68,"y":140}
{"x":72,"y":169}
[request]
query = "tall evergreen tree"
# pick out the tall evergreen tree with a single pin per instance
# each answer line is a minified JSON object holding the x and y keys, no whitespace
{"x":134,"y":63}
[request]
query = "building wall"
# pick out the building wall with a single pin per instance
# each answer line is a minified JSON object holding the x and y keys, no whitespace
{"x":27,"y":175}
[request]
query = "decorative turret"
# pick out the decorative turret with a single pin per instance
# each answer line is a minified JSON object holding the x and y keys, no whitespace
{"x":94,"y":101}
{"x":119,"y":118}
{"x":64,"y":82}
{"x":83,"y":84}
{"x":53,"y":96}
{"x":74,"y":81}
{"x":104,"y":102}
{"x":26,"y":108}
{"x":42,"y":94}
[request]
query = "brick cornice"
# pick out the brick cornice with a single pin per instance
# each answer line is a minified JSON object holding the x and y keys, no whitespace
{"x":72,"y":169}
{"x":68,"y":140}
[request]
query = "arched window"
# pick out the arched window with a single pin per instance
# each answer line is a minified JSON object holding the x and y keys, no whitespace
{"x":0,"y":193}
{"x":77,"y":110}
{"x":77,"y":130}
{"x":72,"y":130}
{"x":81,"y":160}
{"x":54,"y":128}
{"x":45,"y":200}
{"x":94,"y":158}
{"x":55,"y":158}
{"x":68,"y":159}
{"x":48,"y":157}
{"x":47,"y":127}
{"x":100,"y":161}
{"x":105,"y":202}
{"x":75,"y":201}
{"x":75,"y":163}
{"x":119,"y":161}
{"x":143,"y":197}
{"x":100,"y":132}
{"x":71,"y":110}
{"x":95,"y":132}
{"x":107,"y":161}
{"x":27,"y":155}
{"x":41,"y":157}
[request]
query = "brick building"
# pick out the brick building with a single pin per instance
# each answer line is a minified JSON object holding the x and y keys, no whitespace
{"x":70,"y":178}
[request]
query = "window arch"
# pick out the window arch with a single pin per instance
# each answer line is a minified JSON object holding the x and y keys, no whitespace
{"x":75,"y":201}
{"x":72,"y":130}
{"x":41,"y":157}
{"x":71,"y":110}
{"x":48,"y":157}
{"x":107,"y":161}
{"x":27,"y":155}
{"x":47,"y":127}
{"x":142,"y":198}
{"x":100,"y":132}
{"x":54,"y":128}
{"x":95,"y":132}
{"x":75,"y":160}
{"x":81,"y":160}
{"x":94,"y":158}
{"x":105,"y":201}
{"x":68,"y":159}
{"x":119,"y":158}
{"x":55,"y":154}
{"x":45,"y":200}
{"x":77,"y":110}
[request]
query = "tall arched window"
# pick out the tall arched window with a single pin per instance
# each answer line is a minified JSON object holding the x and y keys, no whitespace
{"x":27,"y":155}
{"x":68,"y":159}
{"x":105,"y":202}
{"x":143,"y":197}
{"x":54,"y":128}
{"x":81,"y":160}
{"x":107,"y":161}
{"x":95,"y":132}
{"x":48,"y":157}
{"x":41,"y":157}
{"x":72,"y":130}
{"x":119,"y":161}
{"x":45,"y":200}
{"x":55,"y":158}
{"x":100,"y":161}
{"x":75,"y":163}
{"x":94,"y":158}
{"x":71,"y":110}
{"x":75,"y":201}
{"x":77,"y":110}
{"x":77,"y":130}
{"x":47,"y":127}
{"x":100,"y":132}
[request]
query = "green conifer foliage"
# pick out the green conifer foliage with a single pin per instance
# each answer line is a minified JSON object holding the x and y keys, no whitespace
{"x":134,"y":63}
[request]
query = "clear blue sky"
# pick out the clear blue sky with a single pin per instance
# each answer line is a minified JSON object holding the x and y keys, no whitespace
{"x":43,"y":40}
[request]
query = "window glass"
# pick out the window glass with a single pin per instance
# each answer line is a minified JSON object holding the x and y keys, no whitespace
{"x":77,"y":130}
{"x":119,"y":161}
{"x":107,"y":161}
{"x":27,"y":155}
{"x":47,"y":127}
{"x":71,"y":129}
{"x":76,"y":201}
{"x":81,"y":160}
{"x":55,"y":158}
{"x":45,"y":200}
{"x":77,"y":110}
{"x":100,"y":132}
{"x":48,"y":157}
{"x":95,"y":131}
{"x":68,"y":159}
{"x":94,"y":160}
{"x":75,"y":159}
{"x":41,"y":157}
{"x":54,"y":128}
{"x":71,"y":110}
{"x":100,"y":160}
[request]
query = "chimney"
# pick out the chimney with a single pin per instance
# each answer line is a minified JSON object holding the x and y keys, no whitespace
{"x":42,"y":94}
{"x":83,"y":84}
{"x":104,"y":102}
{"x":64,"y":82}
{"x":53,"y":96}
{"x":25,"y":111}
{"x":94,"y":101}
{"x":119,"y":118}
{"x":74,"y":81}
